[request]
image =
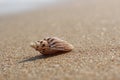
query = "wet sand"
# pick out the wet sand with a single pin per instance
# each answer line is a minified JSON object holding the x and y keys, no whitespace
{"x":93,"y":27}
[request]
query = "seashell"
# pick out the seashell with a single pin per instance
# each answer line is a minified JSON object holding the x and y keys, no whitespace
{"x":51,"y":45}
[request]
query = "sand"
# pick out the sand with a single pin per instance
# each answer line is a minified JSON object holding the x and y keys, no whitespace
{"x":93,"y":27}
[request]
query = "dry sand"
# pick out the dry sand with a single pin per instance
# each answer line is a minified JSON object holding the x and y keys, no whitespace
{"x":92,"y":26}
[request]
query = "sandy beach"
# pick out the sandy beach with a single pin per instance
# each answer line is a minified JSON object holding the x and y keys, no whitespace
{"x":92,"y":26}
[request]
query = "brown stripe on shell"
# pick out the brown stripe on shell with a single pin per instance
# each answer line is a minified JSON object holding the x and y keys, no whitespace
{"x":50,"y":40}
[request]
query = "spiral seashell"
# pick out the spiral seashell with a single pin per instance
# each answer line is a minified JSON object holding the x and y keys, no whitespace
{"x":51,"y":45}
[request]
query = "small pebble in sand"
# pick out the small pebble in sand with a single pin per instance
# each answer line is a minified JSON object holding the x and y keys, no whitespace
{"x":51,"y":45}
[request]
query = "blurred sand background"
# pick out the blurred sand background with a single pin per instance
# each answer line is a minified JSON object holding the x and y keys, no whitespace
{"x":92,"y":26}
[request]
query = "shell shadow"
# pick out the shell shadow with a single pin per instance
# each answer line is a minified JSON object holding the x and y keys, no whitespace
{"x":41,"y":57}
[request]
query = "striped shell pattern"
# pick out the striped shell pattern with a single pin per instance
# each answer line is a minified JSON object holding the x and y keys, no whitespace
{"x":51,"y":45}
